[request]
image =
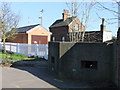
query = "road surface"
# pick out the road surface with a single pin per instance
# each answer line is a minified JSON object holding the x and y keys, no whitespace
{"x":15,"y":78}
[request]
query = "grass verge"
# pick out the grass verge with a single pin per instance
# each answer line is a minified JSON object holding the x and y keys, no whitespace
{"x":12,"y":56}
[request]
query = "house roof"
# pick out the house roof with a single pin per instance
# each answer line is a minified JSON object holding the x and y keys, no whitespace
{"x":25,"y":29}
{"x":61,"y":22}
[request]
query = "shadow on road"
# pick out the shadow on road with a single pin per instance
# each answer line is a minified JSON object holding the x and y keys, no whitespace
{"x":39,"y":68}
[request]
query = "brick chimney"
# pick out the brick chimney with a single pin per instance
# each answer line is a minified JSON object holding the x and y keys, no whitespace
{"x":65,"y":14}
{"x":102,"y":26}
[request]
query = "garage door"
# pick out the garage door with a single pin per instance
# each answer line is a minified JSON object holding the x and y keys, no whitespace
{"x":37,"y":39}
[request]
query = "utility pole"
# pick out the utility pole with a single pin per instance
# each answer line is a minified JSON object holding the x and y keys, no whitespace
{"x":41,"y":17}
{"x":28,"y":20}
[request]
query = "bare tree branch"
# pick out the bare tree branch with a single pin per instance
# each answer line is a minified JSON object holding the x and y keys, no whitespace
{"x":106,"y":8}
{"x":8,"y":23}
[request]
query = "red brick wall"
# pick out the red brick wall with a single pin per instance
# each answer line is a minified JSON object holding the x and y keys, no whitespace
{"x":59,"y":32}
{"x":19,"y":38}
{"x":76,"y":21}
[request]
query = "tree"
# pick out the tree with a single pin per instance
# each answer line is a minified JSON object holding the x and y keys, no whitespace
{"x":113,"y":8}
{"x":84,"y":12}
{"x":8,"y":23}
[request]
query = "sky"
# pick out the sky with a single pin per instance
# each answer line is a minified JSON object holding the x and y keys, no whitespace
{"x":29,"y":13}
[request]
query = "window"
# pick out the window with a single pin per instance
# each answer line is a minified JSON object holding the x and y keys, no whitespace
{"x":76,"y":27}
{"x":89,"y":64}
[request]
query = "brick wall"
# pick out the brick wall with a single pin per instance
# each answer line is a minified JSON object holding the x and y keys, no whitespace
{"x":19,"y":38}
{"x":76,"y":21}
{"x":27,"y":37}
{"x":59,"y":32}
{"x":38,"y":31}
{"x":95,"y":36}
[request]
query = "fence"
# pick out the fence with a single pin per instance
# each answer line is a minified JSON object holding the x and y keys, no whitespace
{"x":39,"y":50}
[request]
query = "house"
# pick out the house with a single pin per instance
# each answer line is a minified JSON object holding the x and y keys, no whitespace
{"x":33,"y":34}
{"x":69,"y":28}
{"x":61,"y":28}
{"x":102,"y":35}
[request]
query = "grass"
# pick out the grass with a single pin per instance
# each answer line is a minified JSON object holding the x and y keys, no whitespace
{"x":17,"y":57}
{"x":12,"y":56}
{"x":9,"y":58}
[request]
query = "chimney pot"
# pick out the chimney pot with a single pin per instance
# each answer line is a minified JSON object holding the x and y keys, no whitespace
{"x":65,"y":14}
{"x":102,"y":26}
{"x":103,"y":21}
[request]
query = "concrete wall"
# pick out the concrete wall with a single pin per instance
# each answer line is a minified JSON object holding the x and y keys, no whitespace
{"x":118,"y":58}
{"x":69,"y":56}
{"x":53,"y":54}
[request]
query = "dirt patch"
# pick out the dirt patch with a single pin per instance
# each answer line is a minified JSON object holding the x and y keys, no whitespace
{"x":6,"y":65}
{"x":27,"y":63}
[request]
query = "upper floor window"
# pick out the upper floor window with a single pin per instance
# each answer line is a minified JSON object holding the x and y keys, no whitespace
{"x":76,"y":27}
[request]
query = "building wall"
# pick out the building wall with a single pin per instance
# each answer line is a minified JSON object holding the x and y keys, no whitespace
{"x":93,"y":36}
{"x":19,"y":38}
{"x":27,"y":37}
{"x":69,"y":58}
{"x":38,"y":31}
{"x":107,"y":35}
{"x":118,"y":58}
{"x":80,"y":25}
{"x":59,"y":32}
{"x":119,"y":14}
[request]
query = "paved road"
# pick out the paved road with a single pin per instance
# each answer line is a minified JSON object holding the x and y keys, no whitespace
{"x":15,"y":78}
{"x":35,"y":74}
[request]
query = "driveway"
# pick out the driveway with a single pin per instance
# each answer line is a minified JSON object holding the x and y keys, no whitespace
{"x":35,"y":74}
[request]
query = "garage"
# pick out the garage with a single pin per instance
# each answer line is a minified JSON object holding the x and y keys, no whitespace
{"x":33,"y":34}
{"x":39,"y":39}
